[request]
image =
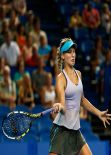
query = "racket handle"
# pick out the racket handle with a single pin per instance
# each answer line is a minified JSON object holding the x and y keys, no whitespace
{"x":47,"y":111}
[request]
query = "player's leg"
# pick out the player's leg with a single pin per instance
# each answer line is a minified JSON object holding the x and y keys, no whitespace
{"x":85,"y":150}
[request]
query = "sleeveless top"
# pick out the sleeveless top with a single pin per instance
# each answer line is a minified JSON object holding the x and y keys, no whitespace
{"x":50,"y":96}
{"x":73,"y":95}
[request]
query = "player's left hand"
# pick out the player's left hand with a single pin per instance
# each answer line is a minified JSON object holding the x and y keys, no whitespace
{"x":105,"y":117}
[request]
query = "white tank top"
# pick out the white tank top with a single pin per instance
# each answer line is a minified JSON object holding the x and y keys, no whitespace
{"x":50,"y":96}
{"x":73,"y":95}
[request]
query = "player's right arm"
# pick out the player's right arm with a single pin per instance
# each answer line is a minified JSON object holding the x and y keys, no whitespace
{"x":60,"y":93}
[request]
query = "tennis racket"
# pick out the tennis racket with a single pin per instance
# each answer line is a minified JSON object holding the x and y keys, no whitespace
{"x":18,"y":123}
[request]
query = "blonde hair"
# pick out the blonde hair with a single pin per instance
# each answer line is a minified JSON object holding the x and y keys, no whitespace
{"x":59,"y":59}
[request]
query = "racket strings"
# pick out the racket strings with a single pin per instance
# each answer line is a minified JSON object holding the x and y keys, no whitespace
{"x":16,"y":125}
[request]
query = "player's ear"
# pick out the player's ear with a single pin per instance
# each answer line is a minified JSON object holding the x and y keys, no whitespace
{"x":62,"y":57}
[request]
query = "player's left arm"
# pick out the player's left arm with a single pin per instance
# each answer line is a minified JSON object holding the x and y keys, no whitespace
{"x":103,"y":115}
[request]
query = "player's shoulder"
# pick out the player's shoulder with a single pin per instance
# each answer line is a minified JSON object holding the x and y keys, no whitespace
{"x":61,"y":77}
{"x":79,"y":73}
{"x":61,"y":80}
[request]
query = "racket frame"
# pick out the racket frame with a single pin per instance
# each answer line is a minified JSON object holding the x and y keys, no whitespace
{"x":31,"y":115}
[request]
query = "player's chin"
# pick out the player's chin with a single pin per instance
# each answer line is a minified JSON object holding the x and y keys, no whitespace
{"x":72,"y":64}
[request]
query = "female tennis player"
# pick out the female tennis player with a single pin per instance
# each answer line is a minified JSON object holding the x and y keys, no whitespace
{"x":66,"y":138}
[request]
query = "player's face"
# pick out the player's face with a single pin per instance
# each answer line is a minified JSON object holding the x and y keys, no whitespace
{"x":69,"y":57}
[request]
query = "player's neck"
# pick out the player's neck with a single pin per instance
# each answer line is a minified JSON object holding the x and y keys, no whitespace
{"x":69,"y":70}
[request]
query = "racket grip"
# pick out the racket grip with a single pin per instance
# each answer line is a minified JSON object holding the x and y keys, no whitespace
{"x":47,"y":111}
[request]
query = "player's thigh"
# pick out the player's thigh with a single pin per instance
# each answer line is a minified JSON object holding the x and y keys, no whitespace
{"x":85,"y":150}
{"x":52,"y":154}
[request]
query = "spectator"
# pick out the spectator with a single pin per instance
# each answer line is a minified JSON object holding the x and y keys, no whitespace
{"x":27,"y":51}
{"x":44,"y":49}
{"x":25,"y":92}
{"x":21,"y":36}
{"x":6,"y":5}
{"x":97,"y":58}
{"x":75,"y":19}
{"x":106,"y":18}
{"x":20,"y":6}
{"x":52,"y":63}
{"x":7,"y":89}
{"x":20,"y":72}
{"x":37,"y":32}
{"x":91,"y":16}
{"x":39,"y":79}
{"x":48,"y":95}
{"x":4,"y":26}
{"x":33,"y":61}
{"x":2,"y":16}
{"x":13,"y":21}
{"x":2,"y":64}
{"x":29,"y":23}
{"x":10,"y":50}
{"x":99,"y":50}
{"x":4,"y":29}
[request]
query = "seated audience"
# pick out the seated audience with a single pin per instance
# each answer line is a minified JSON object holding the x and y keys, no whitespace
{"x":39,"y":79}
{"x":48,"y":95}
{"x":10,"y":50}
{"x":25,"y":92}
{"x":7,"y":89}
